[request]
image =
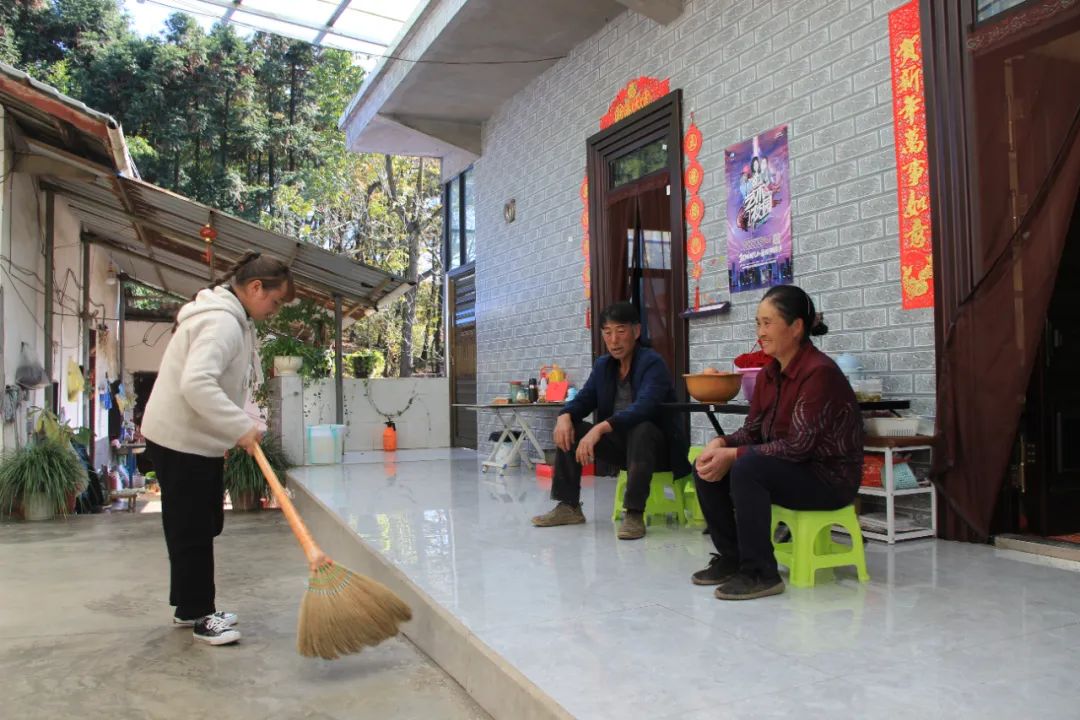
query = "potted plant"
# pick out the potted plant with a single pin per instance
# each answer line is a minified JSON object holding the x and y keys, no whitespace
{"x":42,"y":478}
{"x":243,"y":479}
{"x":367,"y":363}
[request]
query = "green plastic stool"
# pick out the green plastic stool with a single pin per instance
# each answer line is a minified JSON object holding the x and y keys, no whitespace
{"x":690,"y":498}
{"x":658,"y":505}
{"x":812,"y":548}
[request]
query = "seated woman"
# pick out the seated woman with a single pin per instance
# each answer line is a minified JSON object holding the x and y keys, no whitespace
{"x":801,"y":447}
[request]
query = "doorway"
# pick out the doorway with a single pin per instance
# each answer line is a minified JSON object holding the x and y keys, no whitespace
{"x":636,"y":232}
{"x":462,"y":293}
{"x":1050,"y":486}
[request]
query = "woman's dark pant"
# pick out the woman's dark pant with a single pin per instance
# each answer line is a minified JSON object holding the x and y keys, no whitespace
{"x":641,"y":452}
{"x":192,"y":514}
{"x":738,"y":507}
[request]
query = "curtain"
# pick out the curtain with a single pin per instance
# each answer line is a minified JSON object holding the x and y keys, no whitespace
{"x":1019,"y":231}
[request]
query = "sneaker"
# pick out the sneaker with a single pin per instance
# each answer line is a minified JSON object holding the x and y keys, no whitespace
{"x":561,"y":514}
{"x":213,"y":630}
{"x":720,"y":570}
{"x":228,"y":618}
{"x":746,"y":587}
{"x":632,"y":526}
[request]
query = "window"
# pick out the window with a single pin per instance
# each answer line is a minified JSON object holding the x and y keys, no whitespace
{"x":460,"y":220}
{"x":987,"y":9}
{"x":639,"y":163}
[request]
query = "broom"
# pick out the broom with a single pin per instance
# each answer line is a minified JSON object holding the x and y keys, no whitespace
{"x":342,"y":612}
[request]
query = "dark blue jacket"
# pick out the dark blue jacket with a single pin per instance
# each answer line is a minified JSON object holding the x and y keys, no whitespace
{"x":651,"y":383}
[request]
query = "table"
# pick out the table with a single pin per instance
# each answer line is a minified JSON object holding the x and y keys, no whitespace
{"x":514,"y":426}
{"x":711,"y":409}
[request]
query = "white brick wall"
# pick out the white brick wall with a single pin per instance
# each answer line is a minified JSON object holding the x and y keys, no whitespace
{"x":819,"y":65}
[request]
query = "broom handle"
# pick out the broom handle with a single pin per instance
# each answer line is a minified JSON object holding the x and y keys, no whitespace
{"x":314,"y":554}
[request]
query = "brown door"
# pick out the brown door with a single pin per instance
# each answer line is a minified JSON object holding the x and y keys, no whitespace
{"x":1051,"y":479}
{"x":636,"y":231}
{"x":462,"y":291}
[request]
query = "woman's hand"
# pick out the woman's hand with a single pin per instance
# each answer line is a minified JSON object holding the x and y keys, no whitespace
{"x":717,"y":442}
{"x":249,"y":440}
{"x":713,"y":464}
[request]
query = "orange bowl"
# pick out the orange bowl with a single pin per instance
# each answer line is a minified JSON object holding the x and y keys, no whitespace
{"x":713,"y":387}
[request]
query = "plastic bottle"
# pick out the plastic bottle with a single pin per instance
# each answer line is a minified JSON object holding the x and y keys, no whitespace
{"x":389,"y":437}
{"x":543,"y":389}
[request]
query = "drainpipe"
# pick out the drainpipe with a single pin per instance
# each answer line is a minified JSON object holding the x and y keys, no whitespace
{"x":86,"y":328}
{"x":50,"y":243}
{"x":339,"y":383}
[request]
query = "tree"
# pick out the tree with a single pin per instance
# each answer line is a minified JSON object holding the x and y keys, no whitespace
{"x":248,"y":125}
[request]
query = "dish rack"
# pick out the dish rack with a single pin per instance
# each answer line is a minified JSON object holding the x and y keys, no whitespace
{"x":892,"y":427}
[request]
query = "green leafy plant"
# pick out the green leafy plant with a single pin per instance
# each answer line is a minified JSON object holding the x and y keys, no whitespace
{"x":243,"y":478}
{"x":367,"y":363}
{"x":46,"y":467}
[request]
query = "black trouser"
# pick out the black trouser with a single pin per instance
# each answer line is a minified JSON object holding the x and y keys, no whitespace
{"x":738,"y":511}
{"x":641,"y":451}
{"x":192,"y":513}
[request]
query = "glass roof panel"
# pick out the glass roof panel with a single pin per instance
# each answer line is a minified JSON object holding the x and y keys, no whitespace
{"x":362,"y":26}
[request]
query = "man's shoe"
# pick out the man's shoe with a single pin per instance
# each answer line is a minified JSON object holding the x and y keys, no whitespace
{"x":228,"y":618}
{"x":720,"y":570}
{"x":746,"y":587}
{"x":213,"y":630}
{"x":561,"y":514}
{"x":632,"y":526}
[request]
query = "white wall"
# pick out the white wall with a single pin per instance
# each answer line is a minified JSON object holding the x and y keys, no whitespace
{"x":425,"y":424}
{"x":144,"y":344}
{"x":22,"y":282}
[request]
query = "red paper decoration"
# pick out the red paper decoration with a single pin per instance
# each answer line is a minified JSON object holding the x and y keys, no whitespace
{"x":695,"y":207}
{"x":912,"y":158}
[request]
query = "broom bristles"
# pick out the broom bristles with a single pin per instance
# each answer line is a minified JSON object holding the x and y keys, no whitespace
{"x":343,"y":613}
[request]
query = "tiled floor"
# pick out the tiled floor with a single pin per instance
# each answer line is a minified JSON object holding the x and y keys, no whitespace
{"x":615,"y":629}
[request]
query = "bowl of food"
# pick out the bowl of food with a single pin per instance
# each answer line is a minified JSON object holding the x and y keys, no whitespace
{"x":713,"y":387}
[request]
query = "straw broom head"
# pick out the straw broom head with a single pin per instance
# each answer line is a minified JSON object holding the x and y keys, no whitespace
{"x":342,"y":612}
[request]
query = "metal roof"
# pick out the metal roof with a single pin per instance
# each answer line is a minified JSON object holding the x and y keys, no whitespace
{"x":156,"y":235}
{"x":152,"y":233}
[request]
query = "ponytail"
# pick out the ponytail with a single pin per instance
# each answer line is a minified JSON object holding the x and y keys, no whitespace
{"x":252,"y":266}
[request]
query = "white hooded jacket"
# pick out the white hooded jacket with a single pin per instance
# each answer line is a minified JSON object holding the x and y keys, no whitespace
{"x":198,"y":398}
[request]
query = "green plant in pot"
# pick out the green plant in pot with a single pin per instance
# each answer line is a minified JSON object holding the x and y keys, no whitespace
{"x":367,"y":363}
{"x":243,"y":479}
{"x":42,"y":478}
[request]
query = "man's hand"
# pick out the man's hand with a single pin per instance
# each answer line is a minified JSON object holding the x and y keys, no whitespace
{"x":586,"y":449}
{"x":250,"y":439}
{"x":714,"y":463}
{"x":564,"y":432}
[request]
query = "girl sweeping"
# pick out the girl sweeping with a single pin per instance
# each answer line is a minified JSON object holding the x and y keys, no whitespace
{"x":195,"y":415}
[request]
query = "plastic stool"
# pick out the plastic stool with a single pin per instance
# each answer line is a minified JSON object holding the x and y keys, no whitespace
{"x":690,"y":498}
{"x":812,"y":548}
{"x":658,"y":505}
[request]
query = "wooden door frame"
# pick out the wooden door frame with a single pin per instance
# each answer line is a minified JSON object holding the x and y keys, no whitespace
{"x":661,"y":119}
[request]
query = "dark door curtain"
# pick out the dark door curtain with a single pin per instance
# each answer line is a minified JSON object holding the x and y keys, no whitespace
{"x":991,"y":335}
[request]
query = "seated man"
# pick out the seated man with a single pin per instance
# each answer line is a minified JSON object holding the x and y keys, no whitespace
{"x":625,"y":390}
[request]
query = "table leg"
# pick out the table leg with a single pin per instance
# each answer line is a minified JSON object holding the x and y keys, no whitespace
{"x":532,"y":440}
{"x":490,"y":462}
{"x":715,"y":423}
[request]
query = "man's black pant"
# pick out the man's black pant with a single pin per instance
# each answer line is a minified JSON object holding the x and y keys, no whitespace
{"x":640,"y":451}
{"x":738,"y":511}
{"x":192,"y":514}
